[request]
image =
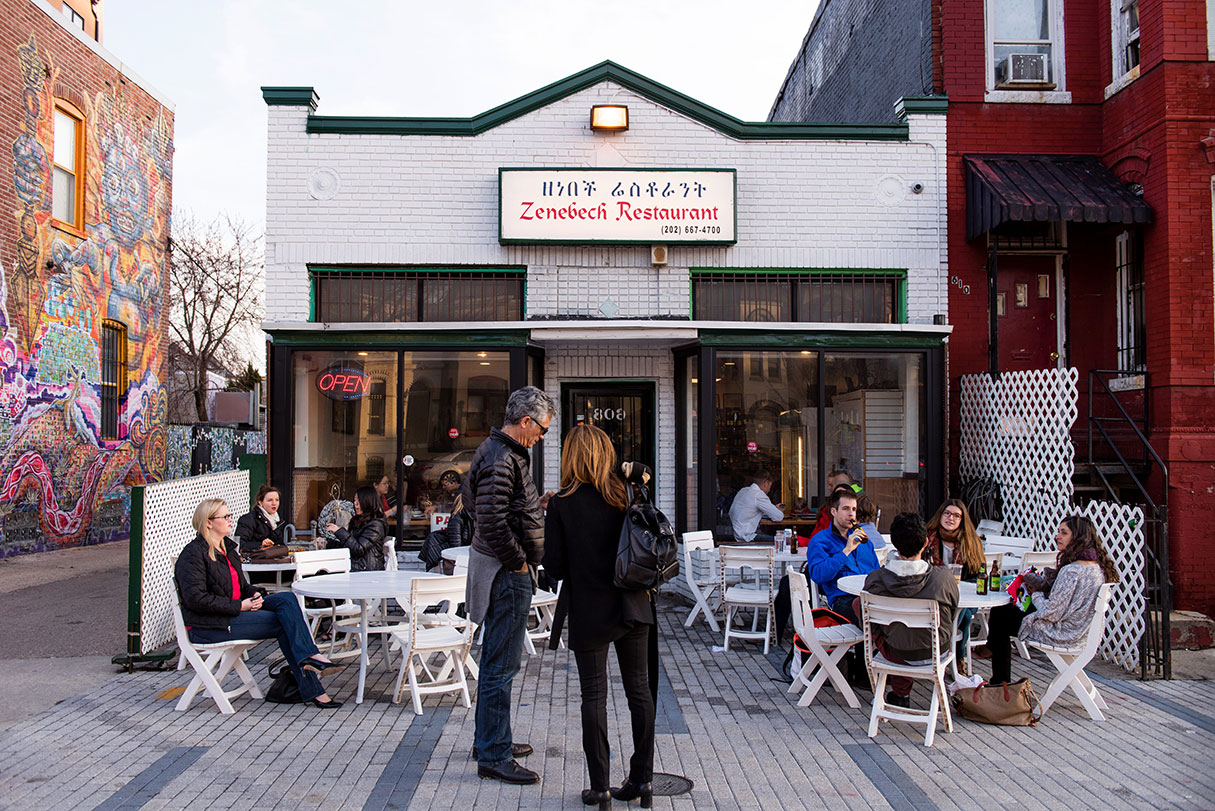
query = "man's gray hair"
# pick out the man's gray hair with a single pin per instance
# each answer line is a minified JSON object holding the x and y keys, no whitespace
{"x":529,"y":401}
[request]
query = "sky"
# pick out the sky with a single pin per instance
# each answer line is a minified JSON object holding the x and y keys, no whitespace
{"x":445,"y":58}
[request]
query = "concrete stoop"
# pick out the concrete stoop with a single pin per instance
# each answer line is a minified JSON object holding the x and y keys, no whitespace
{"x":1189,"y":630}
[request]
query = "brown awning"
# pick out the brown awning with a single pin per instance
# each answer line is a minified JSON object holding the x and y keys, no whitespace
{"x":1045,"y":188}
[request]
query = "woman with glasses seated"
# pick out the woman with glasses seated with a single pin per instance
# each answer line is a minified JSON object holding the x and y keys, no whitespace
{"x":219,"y":605}
{"x":952,"y":538}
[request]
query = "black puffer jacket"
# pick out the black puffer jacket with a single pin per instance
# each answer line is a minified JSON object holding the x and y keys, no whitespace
{"x":507,"y":514}
{"x":365,"y":542}
{"x":253,"y":528}
{"x":205,"y":585}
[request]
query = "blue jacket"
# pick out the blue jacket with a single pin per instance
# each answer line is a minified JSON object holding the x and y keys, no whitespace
{"x":828,"y":563}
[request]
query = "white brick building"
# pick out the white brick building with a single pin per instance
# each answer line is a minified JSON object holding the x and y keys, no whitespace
{"x":389,"y":270}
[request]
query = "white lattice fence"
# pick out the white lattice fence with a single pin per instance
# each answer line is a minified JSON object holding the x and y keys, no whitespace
{"x":164,"y":511}
{"x":1120,"y":527}
{"x":1017,"y":431}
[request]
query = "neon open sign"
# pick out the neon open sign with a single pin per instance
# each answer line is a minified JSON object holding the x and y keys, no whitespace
{"x":343,"y":384}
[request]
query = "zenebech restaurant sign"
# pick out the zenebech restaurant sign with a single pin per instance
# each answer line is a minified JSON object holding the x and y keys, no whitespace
{"x":655,"y":206}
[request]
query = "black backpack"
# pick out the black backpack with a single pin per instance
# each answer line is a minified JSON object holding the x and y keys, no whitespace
{"x":284,"y":689}
{"x":646,"y":557}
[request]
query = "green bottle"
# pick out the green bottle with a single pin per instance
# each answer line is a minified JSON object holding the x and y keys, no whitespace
{"x":994,"y":586}
{"x":981,"y":583}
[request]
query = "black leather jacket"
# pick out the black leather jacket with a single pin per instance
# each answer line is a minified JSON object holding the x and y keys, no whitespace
{"x":253,"y":528}
{"x":205,"y":585}
{"x":509,"y":523}
{"x":365,"y":542}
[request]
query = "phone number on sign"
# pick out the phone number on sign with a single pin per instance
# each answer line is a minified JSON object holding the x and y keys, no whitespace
{"x":691,"y":229}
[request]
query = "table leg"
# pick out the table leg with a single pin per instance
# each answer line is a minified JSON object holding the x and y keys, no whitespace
{"x":358,"y":699}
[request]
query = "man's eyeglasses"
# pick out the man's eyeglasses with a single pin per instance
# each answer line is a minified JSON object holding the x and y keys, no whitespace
{"x":543,"y":428}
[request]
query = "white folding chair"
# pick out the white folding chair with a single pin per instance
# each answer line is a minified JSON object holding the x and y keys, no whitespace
{"x":1070,"y":662}
{"x":698,"y":549}
{"x":420,"y":641}
{"x":827,"y":647}
{"x":324,"y":561}
{"x":882,"y":610}
{"x":882,"y":552}
{"x":756,"y":595}
{"x":212,"y":663}
{"x":1040,"y":560}
{"x":1012,"y":549}
{"x":990,"y":527}
{"x":390,"y":555}
{"x":544,"y":612}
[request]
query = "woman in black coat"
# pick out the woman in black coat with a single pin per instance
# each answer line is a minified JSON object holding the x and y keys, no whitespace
{"x":582,"y":531}
{"x":219,"y":605}
{"x":261,"y":528}
{"x":365,"y":537}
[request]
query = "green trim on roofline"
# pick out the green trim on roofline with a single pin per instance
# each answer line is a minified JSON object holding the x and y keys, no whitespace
{"x":805,"y":271}
{"x":605,"y":71}
{"x":921,"y":105}
{"x":876,"y":339}
{"x":420,"y":268}
{"x":290,"y":97}
{"x":456,"y":338}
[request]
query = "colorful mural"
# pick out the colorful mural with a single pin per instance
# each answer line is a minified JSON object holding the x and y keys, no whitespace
{"x":61,"y":483}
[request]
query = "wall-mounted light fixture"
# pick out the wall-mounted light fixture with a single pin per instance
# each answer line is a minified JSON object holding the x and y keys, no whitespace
{"x":609,"y":117}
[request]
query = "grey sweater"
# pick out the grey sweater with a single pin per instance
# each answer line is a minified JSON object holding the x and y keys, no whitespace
{"x":1062,"y":619}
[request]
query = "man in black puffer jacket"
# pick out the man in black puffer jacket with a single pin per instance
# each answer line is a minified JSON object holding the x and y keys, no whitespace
{"x":508,"y":542}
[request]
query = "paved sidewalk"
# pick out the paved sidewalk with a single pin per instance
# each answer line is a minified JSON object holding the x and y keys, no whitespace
{"x":724,"y":721}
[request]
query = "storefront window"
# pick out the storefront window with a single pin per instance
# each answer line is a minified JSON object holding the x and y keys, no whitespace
{"x":767,"y":419}
{"x":874,"y":418}
{"x":691,"y":442}
{"x":347,"y":434}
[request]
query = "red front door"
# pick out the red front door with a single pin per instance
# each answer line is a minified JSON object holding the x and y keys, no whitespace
{"x":1026,"y":307}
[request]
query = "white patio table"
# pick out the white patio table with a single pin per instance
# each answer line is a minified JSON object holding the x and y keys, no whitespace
{"x":967,"y":598}
{"x":362,"y":587}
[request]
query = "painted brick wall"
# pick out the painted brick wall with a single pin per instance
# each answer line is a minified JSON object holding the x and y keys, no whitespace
{"x":63,"y":484}
{"x":433,"y":200}
{"x":858,"y":59}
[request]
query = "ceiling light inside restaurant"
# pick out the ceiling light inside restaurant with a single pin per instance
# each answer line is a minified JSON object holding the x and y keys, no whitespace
{"x":609,"y":117}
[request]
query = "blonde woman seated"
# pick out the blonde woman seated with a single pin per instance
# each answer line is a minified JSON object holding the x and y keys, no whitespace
{"x":218,"y":604}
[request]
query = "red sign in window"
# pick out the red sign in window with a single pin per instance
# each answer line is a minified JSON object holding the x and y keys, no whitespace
{"x":343,"y":384}
{"x":454,"y":433}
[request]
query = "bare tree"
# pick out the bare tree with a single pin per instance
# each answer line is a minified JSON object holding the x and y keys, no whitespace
{"x":215,"y":293}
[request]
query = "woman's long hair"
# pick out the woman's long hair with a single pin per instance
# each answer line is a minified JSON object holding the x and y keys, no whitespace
{"x":587,"y":457}
{"x":969,"y":546}
{"x":368,"y":499}
{"x":207,"y":509}
{"x":1084,"y":538}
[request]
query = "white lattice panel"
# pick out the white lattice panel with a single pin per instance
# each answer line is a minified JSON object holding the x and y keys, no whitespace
{"x":1017,"y":431}
{"x":168,"y":509}
{"x":1120,"y":527}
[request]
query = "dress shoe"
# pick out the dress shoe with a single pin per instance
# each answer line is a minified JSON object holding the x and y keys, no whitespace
{"x":325,"y":705}
{"x":590,"y":797}
{"x":508,"y":772}
{"x":516,"y":750}
{"x":981,"y":652}
{"x":898,"y":701}
{"x":631,"y":791}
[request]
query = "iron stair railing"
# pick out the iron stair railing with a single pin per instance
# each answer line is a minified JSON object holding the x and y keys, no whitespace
{"x":1155,"y":653}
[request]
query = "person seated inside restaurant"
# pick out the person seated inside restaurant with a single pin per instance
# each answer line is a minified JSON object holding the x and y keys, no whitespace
{"x":835,"y":480}
{"x":366,"y":533}
{"x":388,"y":496}
{"x":1063,"y":600}
{"x":261,"y":528}
{"x":952,"y":538}
{"x":449,"y":489}
{"x":752,"y":505}
{"x":910,"y":576}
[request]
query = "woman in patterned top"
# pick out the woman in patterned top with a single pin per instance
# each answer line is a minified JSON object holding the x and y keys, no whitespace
{"x":1063,"y":600}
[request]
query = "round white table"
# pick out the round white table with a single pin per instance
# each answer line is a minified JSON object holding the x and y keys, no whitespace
{"x":361,"y":587}
{"x":456,"y":554}
{"x":276,"y":566}
{"x":967,"y":598}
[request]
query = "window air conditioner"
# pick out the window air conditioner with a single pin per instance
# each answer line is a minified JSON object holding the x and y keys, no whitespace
{"x":1024,"y":69}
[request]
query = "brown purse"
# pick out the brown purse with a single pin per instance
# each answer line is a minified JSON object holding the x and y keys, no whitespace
{"x":268,"y":554}
{"x":1002,"y":704}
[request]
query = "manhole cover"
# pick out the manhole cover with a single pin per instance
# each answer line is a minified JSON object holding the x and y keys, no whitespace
{"x":669,"y":785}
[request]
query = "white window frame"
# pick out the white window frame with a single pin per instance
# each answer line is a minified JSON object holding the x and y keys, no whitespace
{"x":1118,"y":41}
{"x":1059,"y":95}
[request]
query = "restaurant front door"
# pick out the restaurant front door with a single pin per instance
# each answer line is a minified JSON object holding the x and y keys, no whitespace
{"x":625,"y":412}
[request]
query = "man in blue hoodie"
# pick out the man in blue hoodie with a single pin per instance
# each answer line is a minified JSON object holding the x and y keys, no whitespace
{"x":838,"y":551}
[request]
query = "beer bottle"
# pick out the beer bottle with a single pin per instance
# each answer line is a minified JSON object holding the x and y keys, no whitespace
{"x":994,"y":586}
{"x":981,"y":583}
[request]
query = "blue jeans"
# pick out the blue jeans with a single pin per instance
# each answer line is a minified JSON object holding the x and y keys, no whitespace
{"x":965,"y":617}
{"x":279,"y":618}
{"x":510,"y":601}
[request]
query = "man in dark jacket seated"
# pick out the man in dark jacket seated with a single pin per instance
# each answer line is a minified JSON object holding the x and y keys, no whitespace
{"x":508,"y":543}
{"x":912,"y":577}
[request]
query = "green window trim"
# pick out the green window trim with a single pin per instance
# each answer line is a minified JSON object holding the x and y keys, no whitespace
{"x":315,"y":272}
{"x":900,"y":275}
